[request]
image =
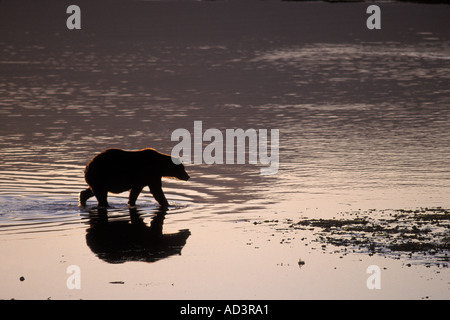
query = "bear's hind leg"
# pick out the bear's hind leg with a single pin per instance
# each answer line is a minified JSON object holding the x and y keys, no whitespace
{"x":102,"y":197}
{"x":84,"y":195}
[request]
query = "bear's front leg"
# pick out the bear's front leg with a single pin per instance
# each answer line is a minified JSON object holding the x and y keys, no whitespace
{"x":158,"y":194}
{"x":134,"y":194}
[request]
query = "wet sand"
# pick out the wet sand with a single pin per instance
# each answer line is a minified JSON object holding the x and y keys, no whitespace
{"x":258,"y":259}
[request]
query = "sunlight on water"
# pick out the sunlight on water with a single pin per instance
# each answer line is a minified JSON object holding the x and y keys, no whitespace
{"x":326,"y":148}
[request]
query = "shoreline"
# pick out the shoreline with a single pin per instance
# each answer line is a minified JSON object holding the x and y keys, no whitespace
{"x":271,"y":259}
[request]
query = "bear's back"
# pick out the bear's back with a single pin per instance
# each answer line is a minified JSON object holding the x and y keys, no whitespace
{"x":118,"y":159}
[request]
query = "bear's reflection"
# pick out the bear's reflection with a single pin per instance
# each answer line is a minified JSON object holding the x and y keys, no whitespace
{"x":117,"y":241}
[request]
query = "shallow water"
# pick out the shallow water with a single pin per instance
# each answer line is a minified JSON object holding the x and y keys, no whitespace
{"x":364,"y":124}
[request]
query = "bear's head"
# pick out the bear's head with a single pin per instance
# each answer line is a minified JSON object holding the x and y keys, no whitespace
{"x":166,"y":165}
{"x":175,"y":169}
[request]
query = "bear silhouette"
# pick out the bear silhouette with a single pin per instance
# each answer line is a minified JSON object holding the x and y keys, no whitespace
{"x":116,"y":171}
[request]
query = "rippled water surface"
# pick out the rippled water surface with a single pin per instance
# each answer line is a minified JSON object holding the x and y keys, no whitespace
{"x":364,"y":123}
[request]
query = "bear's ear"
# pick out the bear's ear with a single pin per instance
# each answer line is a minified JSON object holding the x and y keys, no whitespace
{"x":176,"y":160}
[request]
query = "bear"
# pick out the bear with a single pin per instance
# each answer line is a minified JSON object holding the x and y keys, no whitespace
{"x":117,"y":170}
